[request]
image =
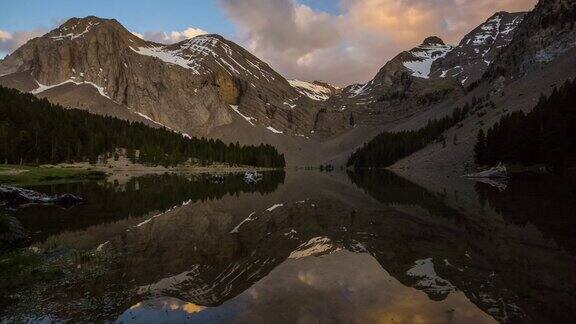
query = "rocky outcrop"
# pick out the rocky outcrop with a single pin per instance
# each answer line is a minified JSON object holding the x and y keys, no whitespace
{"x":12,"y":234}
{"x":468,"y":61}
{"x":13,"y":197}
{"x":404,"y":73}
{"x":546,"y":33}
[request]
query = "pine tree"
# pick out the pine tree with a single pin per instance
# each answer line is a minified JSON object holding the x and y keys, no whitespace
{"x":32,"y":130}
{"x":480,"y":148}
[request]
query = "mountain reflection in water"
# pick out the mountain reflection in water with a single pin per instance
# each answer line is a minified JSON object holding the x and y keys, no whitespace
{"x":339,"y":287}
{"x":309,"y":246}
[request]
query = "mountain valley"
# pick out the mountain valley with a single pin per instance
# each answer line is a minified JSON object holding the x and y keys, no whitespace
{"x":209,"y":86}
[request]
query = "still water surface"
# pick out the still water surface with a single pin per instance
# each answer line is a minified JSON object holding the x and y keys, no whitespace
{"x":309,"y":247}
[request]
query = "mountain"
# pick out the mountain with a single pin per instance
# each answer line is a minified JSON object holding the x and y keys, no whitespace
{"x":192,"y":86}
{"x":468,"y":61}
{"x":540,"y":57}
{"x":409,"y":65}
{"x":546,"y":34}
{"x":316,"y":90}
{"x":212,"y":87}
{"x":401,"y":87}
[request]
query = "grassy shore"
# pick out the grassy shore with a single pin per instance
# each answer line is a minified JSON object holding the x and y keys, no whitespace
{"x":18,"y":174}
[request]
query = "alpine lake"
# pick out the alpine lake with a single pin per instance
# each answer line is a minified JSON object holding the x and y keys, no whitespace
{"x":297,"y":246}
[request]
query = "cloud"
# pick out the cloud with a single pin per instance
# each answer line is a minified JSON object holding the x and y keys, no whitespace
{"x":352,"y":45}
{"x":171,"y":37}
{"x":137,"y":34}
{"x":9,"y":42}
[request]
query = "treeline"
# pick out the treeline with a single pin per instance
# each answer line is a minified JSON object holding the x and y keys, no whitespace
{"x":387,"y":148}
{"x":34,"y":131}
{"x":546,"y":135}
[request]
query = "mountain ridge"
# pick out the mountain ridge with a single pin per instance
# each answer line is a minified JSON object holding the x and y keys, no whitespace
{"x":209,"y":86}
{"x":195,"y":80}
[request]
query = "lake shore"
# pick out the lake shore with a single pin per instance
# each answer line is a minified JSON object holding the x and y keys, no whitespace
{"x":26,"y":175}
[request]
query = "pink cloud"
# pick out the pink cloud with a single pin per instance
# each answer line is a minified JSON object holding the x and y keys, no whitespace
{"x":351,"y":46}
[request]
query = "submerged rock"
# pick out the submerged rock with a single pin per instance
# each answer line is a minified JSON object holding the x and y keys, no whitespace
{"x":13,"y":197}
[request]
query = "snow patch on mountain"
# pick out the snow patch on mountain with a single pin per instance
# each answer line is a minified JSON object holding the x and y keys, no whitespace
{"x":424,"y":55}
{"x":357,"y":89}
{"x":189,"y":54}
{"x":248,"y":219}
{"x":315,"y":246}
{"x":73,"y":35}
{"x":511,"y":26}
{"x":168,"y":56}
{"x":311,"y":90}
{"x":274,"y":207}
{"x":274,"y":130}
{"x":247,"y":118}
{"x":428,"y":280}
{"x":490,"y":29}
{"x":150,"y":119}
{"x":43,"y":87}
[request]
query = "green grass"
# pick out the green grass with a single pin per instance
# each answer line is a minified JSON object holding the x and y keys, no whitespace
{"x":34,"y":175}
{"x":20,"y":270}
{"x":29,"y":279}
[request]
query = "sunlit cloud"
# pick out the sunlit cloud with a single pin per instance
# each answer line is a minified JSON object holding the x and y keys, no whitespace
{"x":351,"y":46}
{"x":171,"y":37}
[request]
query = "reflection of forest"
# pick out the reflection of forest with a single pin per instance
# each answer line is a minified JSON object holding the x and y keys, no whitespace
{"x":192,"y":252}
{"x":389,"y":188}
{"x":508,"y":248}
{"x":195,"y":257}
{"x":108,"y":202}
{"x":549,"y":203}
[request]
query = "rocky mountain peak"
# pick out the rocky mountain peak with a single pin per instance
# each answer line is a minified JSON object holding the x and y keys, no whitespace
{"x":546,"y":33}
{"x":433,"y":40}
{"x":188,"y":86}
{"x":478,"y":49}
{"x":75,"y":28}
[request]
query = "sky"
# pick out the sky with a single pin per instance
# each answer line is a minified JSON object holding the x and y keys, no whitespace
{"x":338,"y":41}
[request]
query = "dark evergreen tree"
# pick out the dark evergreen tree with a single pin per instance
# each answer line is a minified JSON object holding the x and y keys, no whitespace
{"x":387,"y":148}
{"x":546,"y":135}
{"x":33,"y":131}
{"x":480,"y":148}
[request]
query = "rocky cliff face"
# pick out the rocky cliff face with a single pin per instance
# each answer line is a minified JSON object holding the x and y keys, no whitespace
{"x":546,"y":33}
{"x":468,"y":61}
{"x":189,"y":86}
